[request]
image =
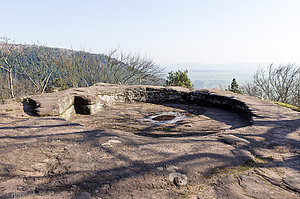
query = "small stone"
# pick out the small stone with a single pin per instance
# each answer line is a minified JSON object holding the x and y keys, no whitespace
{"x":110,"y":142}
{"x":178,"y":178}
{"x":114,"y":141}
{"x":160,"y":168}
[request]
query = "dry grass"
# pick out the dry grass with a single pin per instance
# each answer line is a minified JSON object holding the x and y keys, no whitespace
{"x":295,"y":108}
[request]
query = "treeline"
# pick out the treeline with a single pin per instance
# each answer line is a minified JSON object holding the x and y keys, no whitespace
{"x":32,"y":69}
{"x":277,"y":84}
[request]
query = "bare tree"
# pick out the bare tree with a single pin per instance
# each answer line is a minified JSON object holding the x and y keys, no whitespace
{"x":276,"y":83}
{"x":40,"y":65}
{"x":78,"y":68}
{"x":75,"y":67}
{"x":66,"y":64}
{"x":127,"y":68}
{"x":38,"y":71}
{"x":10,"y":59}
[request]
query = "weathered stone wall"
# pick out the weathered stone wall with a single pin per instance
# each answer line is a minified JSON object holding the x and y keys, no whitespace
{"x":209,"y":99}
{"x":91,"y":99}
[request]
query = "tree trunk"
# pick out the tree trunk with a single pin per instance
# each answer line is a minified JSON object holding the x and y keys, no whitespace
{"x":11,"y":85}
{"x":46,"y":83}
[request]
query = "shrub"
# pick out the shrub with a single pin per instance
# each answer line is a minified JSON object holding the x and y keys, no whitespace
{"x":179,"y":78}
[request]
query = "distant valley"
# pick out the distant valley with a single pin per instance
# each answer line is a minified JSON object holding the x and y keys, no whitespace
{"x":218,"y":79}
{"x":216,"y":75}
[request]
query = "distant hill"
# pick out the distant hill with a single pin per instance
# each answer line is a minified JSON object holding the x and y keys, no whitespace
{"x":41,"y":66}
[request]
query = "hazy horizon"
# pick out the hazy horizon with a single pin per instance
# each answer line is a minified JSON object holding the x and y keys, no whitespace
{"x":169,"y":31}
{"x":217,"y":75}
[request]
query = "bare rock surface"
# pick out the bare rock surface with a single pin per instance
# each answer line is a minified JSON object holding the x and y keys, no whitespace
{"x":115,"y":153}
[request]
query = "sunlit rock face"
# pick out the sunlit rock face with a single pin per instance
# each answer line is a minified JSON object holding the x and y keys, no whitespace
{"x":90,"y":100}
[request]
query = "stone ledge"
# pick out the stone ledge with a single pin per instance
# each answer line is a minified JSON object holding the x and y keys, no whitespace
{"x":89,"y":100}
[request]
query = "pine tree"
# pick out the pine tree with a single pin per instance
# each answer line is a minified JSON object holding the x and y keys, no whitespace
{"x":234,"y":87}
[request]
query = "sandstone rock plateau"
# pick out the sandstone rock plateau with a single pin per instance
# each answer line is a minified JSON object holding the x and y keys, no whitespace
{"x":112,"y":141}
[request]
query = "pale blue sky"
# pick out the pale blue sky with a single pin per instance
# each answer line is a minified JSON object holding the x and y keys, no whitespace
{"x":168,"y":31}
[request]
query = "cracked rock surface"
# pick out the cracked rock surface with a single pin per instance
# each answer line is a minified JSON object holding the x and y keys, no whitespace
{"x":210,"y":153}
